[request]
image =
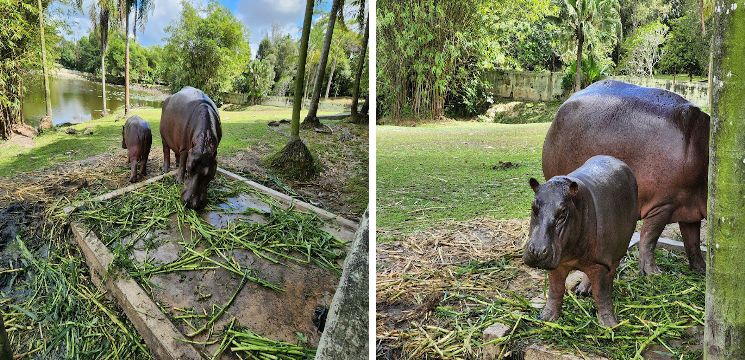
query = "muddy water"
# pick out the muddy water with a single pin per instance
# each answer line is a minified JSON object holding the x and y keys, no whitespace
{"x":78,"y":100}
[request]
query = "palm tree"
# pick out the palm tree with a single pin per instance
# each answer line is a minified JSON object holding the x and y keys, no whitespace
{"x":46,"y":122}
{"x":311,"y":120}
{"x":589,"y":20}
{"x":140,"y":8}
{"x":361,"y":4}
{"x":358,"y":78}
{"x":295,"y":160}
{"x":100,"y":13}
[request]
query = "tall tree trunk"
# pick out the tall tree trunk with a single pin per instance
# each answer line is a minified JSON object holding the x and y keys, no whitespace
{"x":103,"y":80}
{"x":311,"y":120}
{"x":701,"y":16}
{"x":126,"y":63}
{"x":578,"y":67}
{"x":303,"y":55}
{"x":724,"y":337}
{"x":134,"y":26}
{"x":331,"y":78}
{"x":295,"y":160}
{"x":358,"y":76}
{"x":47,"y":123}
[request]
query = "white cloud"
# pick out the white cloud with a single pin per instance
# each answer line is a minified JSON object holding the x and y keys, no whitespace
{"x":260,"y":15}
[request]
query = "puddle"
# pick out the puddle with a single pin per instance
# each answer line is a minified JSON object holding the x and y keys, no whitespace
{"x":245,"y":207}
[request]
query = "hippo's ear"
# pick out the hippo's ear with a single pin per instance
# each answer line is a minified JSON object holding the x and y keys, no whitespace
{"x":573,"y":189}
{"x":534,"y":184}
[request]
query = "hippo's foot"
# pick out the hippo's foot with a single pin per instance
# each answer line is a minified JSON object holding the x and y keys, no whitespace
{"x":133,"y":179}
{"x":166,"y":169}
{"x":608,"y":319}
{"x":649,"y":268}
{"x":549,"y":314}
{"x":697,"y":265}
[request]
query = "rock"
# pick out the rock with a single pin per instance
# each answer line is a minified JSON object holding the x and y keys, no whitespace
{"x":542,"y":352}
{"x":346,"y":332}
{"x":495,"y":331}
{"x":345,"y":135}
{"x":509,"y":109}
{"x":71,"y":131}
{"x":574,"y":278}
{"x":324,"y":129}
{"x":88,"y":131}
{"x":25,"y":130}
{"x":45,"y":123}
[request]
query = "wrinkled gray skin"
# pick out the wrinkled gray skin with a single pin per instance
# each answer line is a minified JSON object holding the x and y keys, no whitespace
{"x":583,"y":221}
{"x":190,"y":126}
{"x":661,"y":136}
{"x":137,"y":139}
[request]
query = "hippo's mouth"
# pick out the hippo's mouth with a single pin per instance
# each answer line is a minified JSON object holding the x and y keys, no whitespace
{"x":550,"y":261}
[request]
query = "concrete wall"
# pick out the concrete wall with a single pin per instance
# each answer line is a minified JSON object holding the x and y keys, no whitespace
{"x":526,"y":85}
{"x":544,"y":86}
{"x":696,"y":92}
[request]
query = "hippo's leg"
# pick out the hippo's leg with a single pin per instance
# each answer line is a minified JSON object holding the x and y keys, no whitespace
{"x":143,"y":171}
{"x":602,"y":287}
{"x":178,"y":159}
{"x":691,"y":233}
{"x":166,"y":158}
{"x":584,"y":288}
{"x":181,"y":166}
{"x":133,"y":169}
{"x":651,"y":231}
{"x":556,"y":288}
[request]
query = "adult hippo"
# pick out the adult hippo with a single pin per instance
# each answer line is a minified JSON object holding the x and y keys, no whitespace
{"x":660,"y":135}
{"x":190,"y":126}
{"x":583,"y":221}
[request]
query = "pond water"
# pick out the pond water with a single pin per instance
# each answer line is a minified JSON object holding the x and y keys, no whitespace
{"x":77,"y":100}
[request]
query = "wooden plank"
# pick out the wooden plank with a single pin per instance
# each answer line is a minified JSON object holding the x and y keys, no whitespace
{"x":160,"y":335}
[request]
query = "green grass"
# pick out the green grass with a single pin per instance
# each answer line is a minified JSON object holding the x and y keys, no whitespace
{"x":528,"y":112}
{"x":241,"y":130}
{"x":435,"y":172}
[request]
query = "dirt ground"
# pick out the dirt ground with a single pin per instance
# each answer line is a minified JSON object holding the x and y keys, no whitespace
{"x":31,"y":203}
{"x":438,"y":289}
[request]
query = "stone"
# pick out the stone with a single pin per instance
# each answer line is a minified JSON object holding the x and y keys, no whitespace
{"x":495,"y":331}
{"x":542,"y":352}
{"x":346,"y":333}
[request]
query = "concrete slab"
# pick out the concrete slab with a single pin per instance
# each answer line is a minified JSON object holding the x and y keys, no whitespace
{"x":285,"y":315}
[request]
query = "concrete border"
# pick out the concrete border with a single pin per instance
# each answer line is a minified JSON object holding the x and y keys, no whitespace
{"x":156,"y":329}
{"x":159,"y":333}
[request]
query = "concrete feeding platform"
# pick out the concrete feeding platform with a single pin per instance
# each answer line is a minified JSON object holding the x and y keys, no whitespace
{"x":285,"y":315}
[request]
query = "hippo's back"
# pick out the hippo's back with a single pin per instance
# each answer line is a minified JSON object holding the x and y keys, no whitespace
{"x":661,"y":136}
{"x":181,"y":114}
{"x":612,"y":187}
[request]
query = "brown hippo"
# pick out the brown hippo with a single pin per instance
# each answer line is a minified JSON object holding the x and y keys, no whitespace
{"x":660,"y":135}
{"x":583,"y":221}
{"x":137,"y":139}
{"x":190,"y":126}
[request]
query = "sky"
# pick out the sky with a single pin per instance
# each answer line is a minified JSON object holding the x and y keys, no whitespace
{"x":257,"y":15}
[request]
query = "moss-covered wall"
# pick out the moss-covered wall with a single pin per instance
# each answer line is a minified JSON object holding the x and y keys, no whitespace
{"x":725,"y":279}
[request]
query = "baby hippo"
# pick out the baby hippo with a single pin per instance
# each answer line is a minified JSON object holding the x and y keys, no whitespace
{"x":583,"y":221}
{"x":137,"y":139}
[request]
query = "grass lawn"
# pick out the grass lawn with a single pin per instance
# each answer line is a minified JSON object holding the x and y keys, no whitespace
{"x":451,"y":171}
{"x":241,"y":130}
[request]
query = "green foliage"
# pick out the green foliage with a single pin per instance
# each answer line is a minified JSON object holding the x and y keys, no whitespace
{"x":592,"y":71}
{"x":280,"y":51}
{"x":686,"y":49}
{"x":19,"y":54}
{"x":257,"y":80}
{"x":84,"y":55}
{"x":642,"y":51}
{"x":205,"y":50}
{"x":421,"y":48}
